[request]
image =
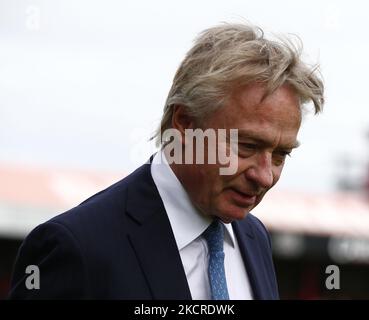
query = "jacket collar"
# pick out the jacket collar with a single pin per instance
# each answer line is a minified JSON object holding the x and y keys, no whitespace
{"x":253,"y":257}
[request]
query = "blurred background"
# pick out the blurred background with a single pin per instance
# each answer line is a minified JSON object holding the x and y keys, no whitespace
{"x":82,"y":87}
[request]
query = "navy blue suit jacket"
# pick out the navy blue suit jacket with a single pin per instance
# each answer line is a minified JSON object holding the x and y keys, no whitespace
{"x":119,"y":244}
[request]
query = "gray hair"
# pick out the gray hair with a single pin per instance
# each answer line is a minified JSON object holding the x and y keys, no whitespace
{"x":229,"y":56}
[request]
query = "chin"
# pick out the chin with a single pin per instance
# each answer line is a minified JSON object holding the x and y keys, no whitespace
{"x":233,"y":213}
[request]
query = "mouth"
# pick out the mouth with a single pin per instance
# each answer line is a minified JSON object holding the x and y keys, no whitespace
{"x":243,"y":199}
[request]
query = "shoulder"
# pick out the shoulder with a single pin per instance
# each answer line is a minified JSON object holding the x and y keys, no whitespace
{"x":73,"y":247}
{"x":103,"y":211}
{"x":53,"y":249}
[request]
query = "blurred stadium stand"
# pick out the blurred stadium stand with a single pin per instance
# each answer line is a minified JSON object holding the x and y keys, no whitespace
{"x":32,"y":195}
{"x":312,"y":231}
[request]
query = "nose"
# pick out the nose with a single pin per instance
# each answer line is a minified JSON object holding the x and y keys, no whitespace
{"x":260,"y":172}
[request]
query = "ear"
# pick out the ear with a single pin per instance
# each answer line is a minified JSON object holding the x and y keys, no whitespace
{"x":181,"y":120}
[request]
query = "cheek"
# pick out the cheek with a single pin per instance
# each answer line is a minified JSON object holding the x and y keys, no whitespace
{"x":277,"y":174}
{"x":243,"y":164}
{"x":214,"y":189}
{"x":206,"y":182}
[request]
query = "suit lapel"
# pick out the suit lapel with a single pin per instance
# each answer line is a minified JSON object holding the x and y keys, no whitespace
{"x":252,"y":258}
{"x":153,"y":240}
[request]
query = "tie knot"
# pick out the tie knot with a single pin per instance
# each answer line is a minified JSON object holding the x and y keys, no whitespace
{"x":214,"y":236}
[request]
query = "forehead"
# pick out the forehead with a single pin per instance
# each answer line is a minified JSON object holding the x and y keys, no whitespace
{"x":251,"y":101}
{"x":274,"y":117}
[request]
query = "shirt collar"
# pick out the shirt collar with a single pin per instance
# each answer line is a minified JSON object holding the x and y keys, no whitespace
{"x":186,"y":221}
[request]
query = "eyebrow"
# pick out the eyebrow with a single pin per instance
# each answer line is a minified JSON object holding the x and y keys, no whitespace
{"x":242,"y":134}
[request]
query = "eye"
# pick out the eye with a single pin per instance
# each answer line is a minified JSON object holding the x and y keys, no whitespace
{"x":284,"y":153}
{"x":250,"y":146}
{"x":280,"y":156}
{"x":247,"y":149}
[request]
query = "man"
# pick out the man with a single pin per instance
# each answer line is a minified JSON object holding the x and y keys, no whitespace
{"x":177,"y":228}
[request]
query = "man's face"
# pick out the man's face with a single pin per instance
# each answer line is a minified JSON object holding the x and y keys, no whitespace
{"x":267,"y":131}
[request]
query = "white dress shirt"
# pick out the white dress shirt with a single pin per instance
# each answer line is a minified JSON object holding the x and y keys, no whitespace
{"x":188,"y":225}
